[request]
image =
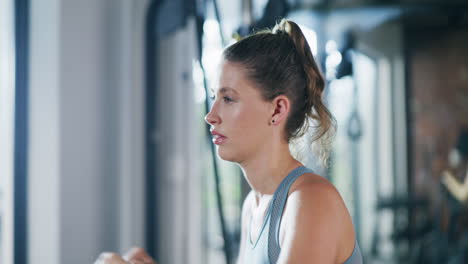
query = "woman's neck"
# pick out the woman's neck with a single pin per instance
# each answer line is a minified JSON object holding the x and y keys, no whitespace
{"x":267,"y":169}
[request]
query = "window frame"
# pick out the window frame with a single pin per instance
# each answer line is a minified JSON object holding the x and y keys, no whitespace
{"x":21,"y":31}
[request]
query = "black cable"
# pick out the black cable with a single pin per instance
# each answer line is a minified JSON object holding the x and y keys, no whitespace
{"x":354,"y":131}
{"x":218,"y":18}
{"x":227,"y":241}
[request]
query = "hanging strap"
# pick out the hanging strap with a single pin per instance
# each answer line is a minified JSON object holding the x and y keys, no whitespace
{"x":279,"y":200}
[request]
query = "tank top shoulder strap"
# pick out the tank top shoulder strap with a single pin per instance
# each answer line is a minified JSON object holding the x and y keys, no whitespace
{"x":278,"y":202}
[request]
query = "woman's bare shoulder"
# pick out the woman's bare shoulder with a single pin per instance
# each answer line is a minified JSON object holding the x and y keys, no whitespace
{"x":315,"y":194}
{"x":316,"y":210}
{"x":314,"y":188}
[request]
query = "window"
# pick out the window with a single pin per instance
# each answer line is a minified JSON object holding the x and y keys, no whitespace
{"x":6,"y":130}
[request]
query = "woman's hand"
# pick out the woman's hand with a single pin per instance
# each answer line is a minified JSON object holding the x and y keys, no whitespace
{"x":138,"y":255}
{"x":133,"y":256}
{"x":110,"y":258}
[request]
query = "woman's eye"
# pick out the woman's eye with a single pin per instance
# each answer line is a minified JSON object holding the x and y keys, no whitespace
{"x":227,"y":99}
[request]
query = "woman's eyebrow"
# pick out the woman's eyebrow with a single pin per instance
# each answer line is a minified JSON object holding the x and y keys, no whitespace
{"x":223,"y":90}
{"x":226,"y":89}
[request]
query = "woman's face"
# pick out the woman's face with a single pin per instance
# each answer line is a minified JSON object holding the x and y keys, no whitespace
{"x":239,"y":114}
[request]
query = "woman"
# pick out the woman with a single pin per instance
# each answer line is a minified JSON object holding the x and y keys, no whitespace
{"x":458,"y":160}
{"x":270,"y":90}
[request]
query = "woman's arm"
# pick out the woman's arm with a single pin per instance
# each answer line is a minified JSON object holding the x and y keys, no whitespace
{"x":317,"y":225}
{"x":458,"y":190}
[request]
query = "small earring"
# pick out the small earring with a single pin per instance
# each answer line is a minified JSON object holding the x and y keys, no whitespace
{"x":273,"y":121}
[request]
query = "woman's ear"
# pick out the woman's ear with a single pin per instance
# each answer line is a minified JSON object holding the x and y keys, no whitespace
{"x":280,"y":109}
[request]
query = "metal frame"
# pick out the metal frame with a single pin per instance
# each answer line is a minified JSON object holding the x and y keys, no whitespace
{"x":21,"y":131}
{"x":151,"y":122}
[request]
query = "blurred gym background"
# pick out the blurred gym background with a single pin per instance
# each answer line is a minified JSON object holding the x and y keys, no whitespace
{"x":103,"y":144}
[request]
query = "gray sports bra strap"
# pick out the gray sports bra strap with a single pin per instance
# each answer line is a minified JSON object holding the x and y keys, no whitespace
{"x":279,"y":200}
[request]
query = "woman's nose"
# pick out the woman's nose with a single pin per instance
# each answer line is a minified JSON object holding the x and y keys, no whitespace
{"x":210,"y":118}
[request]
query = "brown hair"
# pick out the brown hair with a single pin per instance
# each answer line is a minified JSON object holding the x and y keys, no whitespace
{"x":280,"y":61}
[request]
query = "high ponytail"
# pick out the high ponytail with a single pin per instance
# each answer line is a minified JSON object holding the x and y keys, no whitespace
{"x":322,"y":119}
{"x":280,"y":61}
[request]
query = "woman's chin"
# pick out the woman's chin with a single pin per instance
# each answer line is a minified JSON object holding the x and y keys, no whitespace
{"x":225,"y":155}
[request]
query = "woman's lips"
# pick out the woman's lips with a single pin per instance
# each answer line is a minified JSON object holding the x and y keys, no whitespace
{"x":218,"y":138}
